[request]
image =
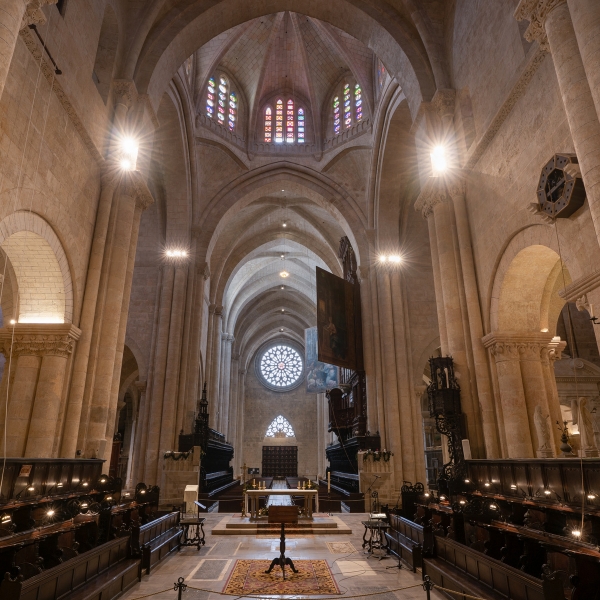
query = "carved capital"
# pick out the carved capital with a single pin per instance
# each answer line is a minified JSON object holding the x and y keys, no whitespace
{"x":39,"y":340}
{"x":228,"y":338}
{"x":205,"y":271}
{"x":530,"y":351}
{"x":536,"y":12}
{"x":582,"y":304}
{"x":516,"y":345}
{"x":141,"y":386}
{"x":211,"y":309}
{"x":443,"y":102}
{"x":504,"y":351}
{"x":219,"y":310}
{"x":438,"y":190}
{"x":124,"y":92}
{"x":33,"y":12}
{"x":134,"y":186}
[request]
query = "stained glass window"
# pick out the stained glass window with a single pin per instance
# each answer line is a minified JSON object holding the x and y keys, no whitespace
{"x":280,"y":427}
{"x":336,"y":115}
{"x":281,"y":366}
{"x":301,"y":126}
{"x":232,"y":110}
{"x":357,"y":102}
{"x":381,"y":74}
{"x":279,"y":121}
{"x":289,"y":122}
{"x":268,"y":124}
{"x":347,"y":106}
{"x":210,"y":97}
{"x":222,"y":103}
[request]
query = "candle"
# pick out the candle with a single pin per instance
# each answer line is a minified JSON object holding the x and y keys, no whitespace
{"x":328,"y":482}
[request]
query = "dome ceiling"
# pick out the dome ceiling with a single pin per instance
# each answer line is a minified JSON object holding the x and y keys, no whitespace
{"x":290,"y":55}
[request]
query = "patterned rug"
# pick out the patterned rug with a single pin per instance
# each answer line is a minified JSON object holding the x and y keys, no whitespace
{"x":313,"y":579}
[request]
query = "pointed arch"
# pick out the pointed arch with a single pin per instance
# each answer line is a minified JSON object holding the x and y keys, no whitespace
{"x":280,"y":427}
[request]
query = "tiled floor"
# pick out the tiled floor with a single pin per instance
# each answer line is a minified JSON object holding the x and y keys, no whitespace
{"x":355,"y":573}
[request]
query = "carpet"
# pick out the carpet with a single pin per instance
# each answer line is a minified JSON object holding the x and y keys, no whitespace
{"x":313,"y":579}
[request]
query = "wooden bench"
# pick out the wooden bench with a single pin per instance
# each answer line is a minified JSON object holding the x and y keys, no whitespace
{"x":104,"y":572}
{"x":409,"y":542}
{"x":158,"y":539}
{"x":467,"y":571}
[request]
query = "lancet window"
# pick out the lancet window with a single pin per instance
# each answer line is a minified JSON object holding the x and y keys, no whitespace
{"x":290,"y":123}
{"x":221,"y":102}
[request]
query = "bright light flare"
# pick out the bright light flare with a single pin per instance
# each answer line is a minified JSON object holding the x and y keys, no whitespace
{"x":175,"y":253}
{"x":284,"y":274}
{"x":128,"y":154}
{"x":576,"y":533}
{"x":395,"y":259}
{"x":439,"y":163}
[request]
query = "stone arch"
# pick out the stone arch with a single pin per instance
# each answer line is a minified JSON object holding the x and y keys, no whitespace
{"x":154,"y":60}
{"x":106,"y":53}
{"x":532,"y":244}
{"x":45,"y":287}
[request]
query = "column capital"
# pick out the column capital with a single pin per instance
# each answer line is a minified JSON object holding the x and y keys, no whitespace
{"x":134,"y":185}
{"x":438,"y":190}
{"x":443,"y":102}
{"x":219,"y":310}
{"x":141,"y":386}
{"x":33,"y":12}
{"x":39,"y":339}
{"x":228,"y":337}
{"x":516,"y":345}
{"x":536,"y":12}
{"x":204,"y":270}
{"x":124,"y":92}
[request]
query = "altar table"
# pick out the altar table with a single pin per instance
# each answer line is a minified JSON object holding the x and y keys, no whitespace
{"x":253,"y":496}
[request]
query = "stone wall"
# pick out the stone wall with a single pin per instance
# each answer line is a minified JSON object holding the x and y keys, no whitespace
{"x":262,"y":406}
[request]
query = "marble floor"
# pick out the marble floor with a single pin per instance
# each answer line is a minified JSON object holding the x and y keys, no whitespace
{"x":209,"y":568}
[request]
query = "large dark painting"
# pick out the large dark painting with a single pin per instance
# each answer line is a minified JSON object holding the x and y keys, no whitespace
{"x":335,"y":320}
{"x":320,"y":377}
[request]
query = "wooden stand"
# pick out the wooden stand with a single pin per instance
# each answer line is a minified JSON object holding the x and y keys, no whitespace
{"x":282,"y":559}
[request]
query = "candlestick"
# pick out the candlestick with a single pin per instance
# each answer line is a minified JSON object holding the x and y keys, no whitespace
{"x":328,"y":482}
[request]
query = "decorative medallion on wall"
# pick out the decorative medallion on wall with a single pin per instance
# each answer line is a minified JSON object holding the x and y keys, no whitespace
{"x":279,"y":366}
{"x":560,"y":190}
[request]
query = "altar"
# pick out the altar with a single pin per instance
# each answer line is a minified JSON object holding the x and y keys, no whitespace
{"x":252,"y":496}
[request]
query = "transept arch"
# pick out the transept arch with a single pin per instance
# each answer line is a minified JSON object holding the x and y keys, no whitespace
{"x":43,"y":276}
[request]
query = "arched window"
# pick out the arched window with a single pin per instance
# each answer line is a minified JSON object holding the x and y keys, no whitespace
{"x":289,"y":122}
{"x":221,"y":101}
{"x":300,"y":129}
{"x":357,"y":102}
{"x":268,"y":124}
{"x":280,"y":428}
{"x":210,"y":97}
{"x":347,"y":107}
{"x":232,"y":110}
{"x":222,"y":104}
{"x":279,"y":121}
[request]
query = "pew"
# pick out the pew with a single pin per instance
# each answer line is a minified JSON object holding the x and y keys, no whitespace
{"x":408,"y":541}
{"x":462,"y":569}
{"x":158,"y":539}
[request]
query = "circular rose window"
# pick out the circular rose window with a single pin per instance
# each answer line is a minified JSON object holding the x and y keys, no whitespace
{"x":280,"y":366}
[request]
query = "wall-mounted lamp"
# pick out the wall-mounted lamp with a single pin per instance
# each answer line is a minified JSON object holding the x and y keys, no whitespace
{"x":128,"y":154}
{"x":439,"y":163}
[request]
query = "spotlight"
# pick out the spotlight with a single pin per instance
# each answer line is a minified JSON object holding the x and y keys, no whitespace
{"x":282,"y":310}
{"x":576,"y":533}
{"x":142,"y":491}
{"x":50,"y":513}
{"x":284,"y":224}
{"x":13,"y":322}
{"x":467,"y":481}
{"x":85,"y":484}
{"x":462,"y":502}
{"x":486,"y":484}
{"x":282,"y":256}
{"x":513,"y":486}
{"x":394,"y":258}
{"x":128,"y":155}
{"x":174,"y":253}
{"x":591,"y":496}
{"x":284,"y":274}
{"x":31,"y":489}
{"x":281,"y":329}
{"x":282,"y":287}
{"x":493,"y":507}
{"x":426,"y":494}
{"x":5,"y":519}
{"x":442,"y":498}
{"x":438,"y":160}
{"x":383,"y":258}
{"x":547,"y":492}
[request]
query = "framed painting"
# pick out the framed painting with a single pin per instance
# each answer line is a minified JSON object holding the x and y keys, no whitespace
{"x":320,"y":377}
{"x":335,"y":320}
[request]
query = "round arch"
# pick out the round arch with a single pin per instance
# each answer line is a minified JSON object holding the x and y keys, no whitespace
{"x":45,"y":287}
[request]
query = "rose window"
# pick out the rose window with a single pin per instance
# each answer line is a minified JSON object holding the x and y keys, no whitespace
{"x":280,"y":367}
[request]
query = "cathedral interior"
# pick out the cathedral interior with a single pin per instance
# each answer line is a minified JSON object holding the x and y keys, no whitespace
{"x":331,"y":266}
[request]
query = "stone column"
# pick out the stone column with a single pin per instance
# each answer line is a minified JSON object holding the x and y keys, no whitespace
{"x":125,"y":199}
{"x":155,"y":404}
{"x":142,"y":202}
{"x":88,"y":313}
{"x":534,"y":387}
{"x":551,"y":26}
{"x":213,"y":361}
{"x":585,"y":15}
{"x":393,"y":439}
{"x":512,"y":395}
{"x":234,"y":398}
{"x":377,"y":405}
{"x":169,"y":403}
{"x":549,"y":355}
{"x":455,"y":326}
{"x":484,"y":388}
{"x":136,"y":446}
{"x":225,"y":400}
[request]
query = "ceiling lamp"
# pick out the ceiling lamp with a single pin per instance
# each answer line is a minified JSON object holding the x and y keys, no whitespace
{"x":284,"y":274}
